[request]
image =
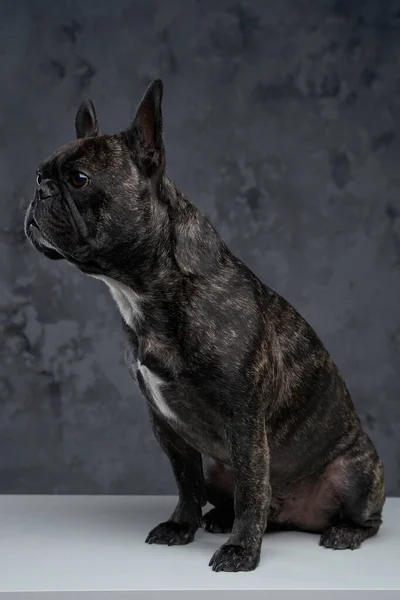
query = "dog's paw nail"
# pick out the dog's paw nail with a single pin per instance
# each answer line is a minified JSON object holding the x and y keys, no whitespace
{"x":171,"y":534}
{"x":341,"y":538}
{"x":232,"y":557}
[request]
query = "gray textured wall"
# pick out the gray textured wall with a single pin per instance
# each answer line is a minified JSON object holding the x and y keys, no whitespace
{"x":281,"y":123}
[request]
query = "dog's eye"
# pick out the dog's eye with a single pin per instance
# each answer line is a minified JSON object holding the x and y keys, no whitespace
{"x":78,"y":180}
{"x":38,"y":178}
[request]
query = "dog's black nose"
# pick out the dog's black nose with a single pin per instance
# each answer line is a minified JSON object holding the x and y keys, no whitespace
{"x":44,"y":191}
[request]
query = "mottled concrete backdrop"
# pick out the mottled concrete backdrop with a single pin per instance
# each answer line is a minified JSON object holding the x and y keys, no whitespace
{"x":282,"y":124}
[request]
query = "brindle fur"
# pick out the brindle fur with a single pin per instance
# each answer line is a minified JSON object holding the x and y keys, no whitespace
{"x":258,"y":404}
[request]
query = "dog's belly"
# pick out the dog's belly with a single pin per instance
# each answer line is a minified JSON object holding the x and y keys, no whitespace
{"x":307,"y":504}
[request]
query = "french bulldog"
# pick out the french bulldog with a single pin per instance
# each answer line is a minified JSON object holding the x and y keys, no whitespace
{"x":242,"y":395}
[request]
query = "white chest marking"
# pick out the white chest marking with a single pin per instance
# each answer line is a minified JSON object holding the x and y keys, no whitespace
{"x":128,"y":303}
{"x":154,"y":384}
{"x":126,"y":299}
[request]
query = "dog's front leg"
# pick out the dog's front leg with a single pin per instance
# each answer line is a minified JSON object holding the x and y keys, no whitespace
{"x":188,"y":470}
{"x":250,"y":463}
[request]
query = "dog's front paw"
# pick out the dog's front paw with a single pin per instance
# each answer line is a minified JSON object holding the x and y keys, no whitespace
{"x":172,"y":534}
{"x":232,"y":557}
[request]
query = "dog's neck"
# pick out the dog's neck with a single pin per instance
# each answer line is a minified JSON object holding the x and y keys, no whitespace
{"x":149,"y":294}
{"x":127,"y":300}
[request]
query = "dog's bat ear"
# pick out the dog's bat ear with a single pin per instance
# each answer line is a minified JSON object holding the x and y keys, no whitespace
{"x":86,"y":120}
{"x":145,"y":134}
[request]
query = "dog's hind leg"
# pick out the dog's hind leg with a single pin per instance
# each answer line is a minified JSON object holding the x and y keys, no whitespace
{"x":362,"y":499}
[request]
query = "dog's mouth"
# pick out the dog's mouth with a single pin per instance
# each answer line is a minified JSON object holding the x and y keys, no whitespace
{"x":78,"y":252}
{"x":39,"y":240}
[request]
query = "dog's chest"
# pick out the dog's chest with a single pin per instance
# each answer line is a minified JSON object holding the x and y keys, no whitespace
{"x":182,"y":404}
{"x":128,"y":303}
{"x":172,"y":396}
{"x":155,"y":387}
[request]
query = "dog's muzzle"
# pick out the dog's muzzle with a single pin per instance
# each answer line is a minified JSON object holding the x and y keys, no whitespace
{"x":36,"y":233}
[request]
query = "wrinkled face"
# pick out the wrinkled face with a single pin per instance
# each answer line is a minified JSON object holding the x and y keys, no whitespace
{"x":89,"y":193}
{"x":79,"y":190}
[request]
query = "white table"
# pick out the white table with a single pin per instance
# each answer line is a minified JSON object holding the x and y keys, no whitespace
{"x":92,"y":548}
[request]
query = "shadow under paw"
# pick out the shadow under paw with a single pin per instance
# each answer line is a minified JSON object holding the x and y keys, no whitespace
{"x":171,"y":534}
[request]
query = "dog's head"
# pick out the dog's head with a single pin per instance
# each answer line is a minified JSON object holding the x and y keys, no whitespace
{"x":90,"y":199}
